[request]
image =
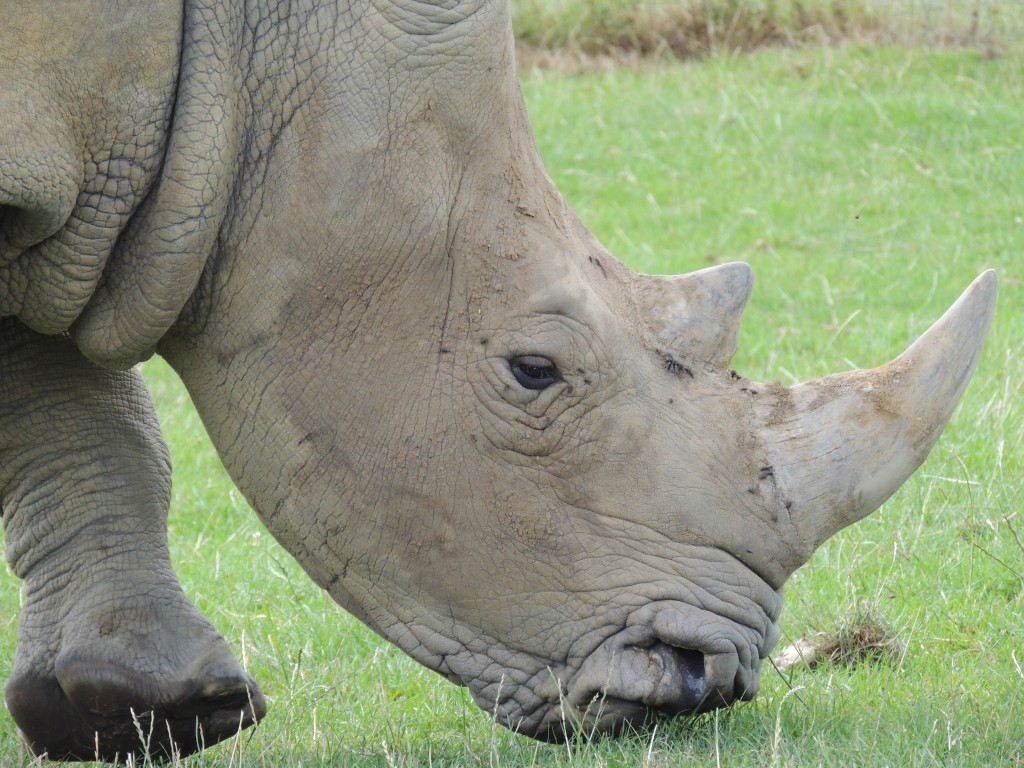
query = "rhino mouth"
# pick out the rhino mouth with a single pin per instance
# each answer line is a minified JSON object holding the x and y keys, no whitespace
{"x":669,"y":658}
{"x":690,"y":648}
{"x":642,"y":684}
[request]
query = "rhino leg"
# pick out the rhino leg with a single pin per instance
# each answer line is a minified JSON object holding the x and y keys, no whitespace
{"x":112,"y":657}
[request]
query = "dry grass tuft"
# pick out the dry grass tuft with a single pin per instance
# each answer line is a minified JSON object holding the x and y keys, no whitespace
{"x":599,"y":30}
{"x":864,"y":637}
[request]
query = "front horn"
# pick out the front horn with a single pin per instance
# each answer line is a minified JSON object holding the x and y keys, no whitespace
{"x":838,"y":447}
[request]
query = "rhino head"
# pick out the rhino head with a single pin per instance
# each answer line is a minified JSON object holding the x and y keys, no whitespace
{"x":529,"y":467}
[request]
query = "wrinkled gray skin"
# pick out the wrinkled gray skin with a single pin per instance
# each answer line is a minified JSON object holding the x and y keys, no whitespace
{"x":333,"y":222}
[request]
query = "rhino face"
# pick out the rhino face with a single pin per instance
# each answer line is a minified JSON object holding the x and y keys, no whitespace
{"x":555,"y":491}
{"x":628,"y":506}
{"x":621,"y":556}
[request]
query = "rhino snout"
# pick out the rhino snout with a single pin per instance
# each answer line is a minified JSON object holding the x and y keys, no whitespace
{"x":672,"y":680}
{"x":629,"y":686}
{"x":643,"y":684}
{"x":660,"y":679}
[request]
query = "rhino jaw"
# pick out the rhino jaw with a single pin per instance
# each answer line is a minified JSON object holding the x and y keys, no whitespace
{"x":838,"y":447}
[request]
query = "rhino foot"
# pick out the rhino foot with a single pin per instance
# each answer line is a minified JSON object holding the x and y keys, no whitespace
{"x":93,"y":709}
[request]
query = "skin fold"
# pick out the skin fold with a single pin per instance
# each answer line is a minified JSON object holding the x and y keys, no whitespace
{"x":527,"y":466}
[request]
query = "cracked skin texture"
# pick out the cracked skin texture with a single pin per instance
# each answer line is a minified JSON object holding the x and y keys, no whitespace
{"x":527,"y":466}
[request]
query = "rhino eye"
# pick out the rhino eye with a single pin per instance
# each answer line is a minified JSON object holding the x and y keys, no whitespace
{"x":534,"y":372}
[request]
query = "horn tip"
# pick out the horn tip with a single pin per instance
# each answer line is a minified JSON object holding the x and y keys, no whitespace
{"x":946,"y":355}
{"x":974,"y":309}
{"x":733,"y":281}
{"x":986,"y":283}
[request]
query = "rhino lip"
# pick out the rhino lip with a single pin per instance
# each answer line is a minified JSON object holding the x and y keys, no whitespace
{"x":642,"y":683}
{"x":667,"y":679}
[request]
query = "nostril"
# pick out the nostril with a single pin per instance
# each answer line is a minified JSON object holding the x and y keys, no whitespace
{"x":689,"y":686}
{"x":691,"y":668}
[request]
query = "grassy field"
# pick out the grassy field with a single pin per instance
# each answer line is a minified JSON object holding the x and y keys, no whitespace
{"x":687,"y":29}
{"x":867,"y":187}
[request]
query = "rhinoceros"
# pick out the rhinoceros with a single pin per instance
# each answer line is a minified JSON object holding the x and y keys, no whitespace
{"x":527,"y":466}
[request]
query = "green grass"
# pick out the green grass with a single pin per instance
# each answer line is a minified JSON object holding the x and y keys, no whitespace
{"x":867,"y":187}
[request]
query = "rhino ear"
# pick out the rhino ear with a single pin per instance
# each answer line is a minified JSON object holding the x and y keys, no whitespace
{"x":696,"y":316}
